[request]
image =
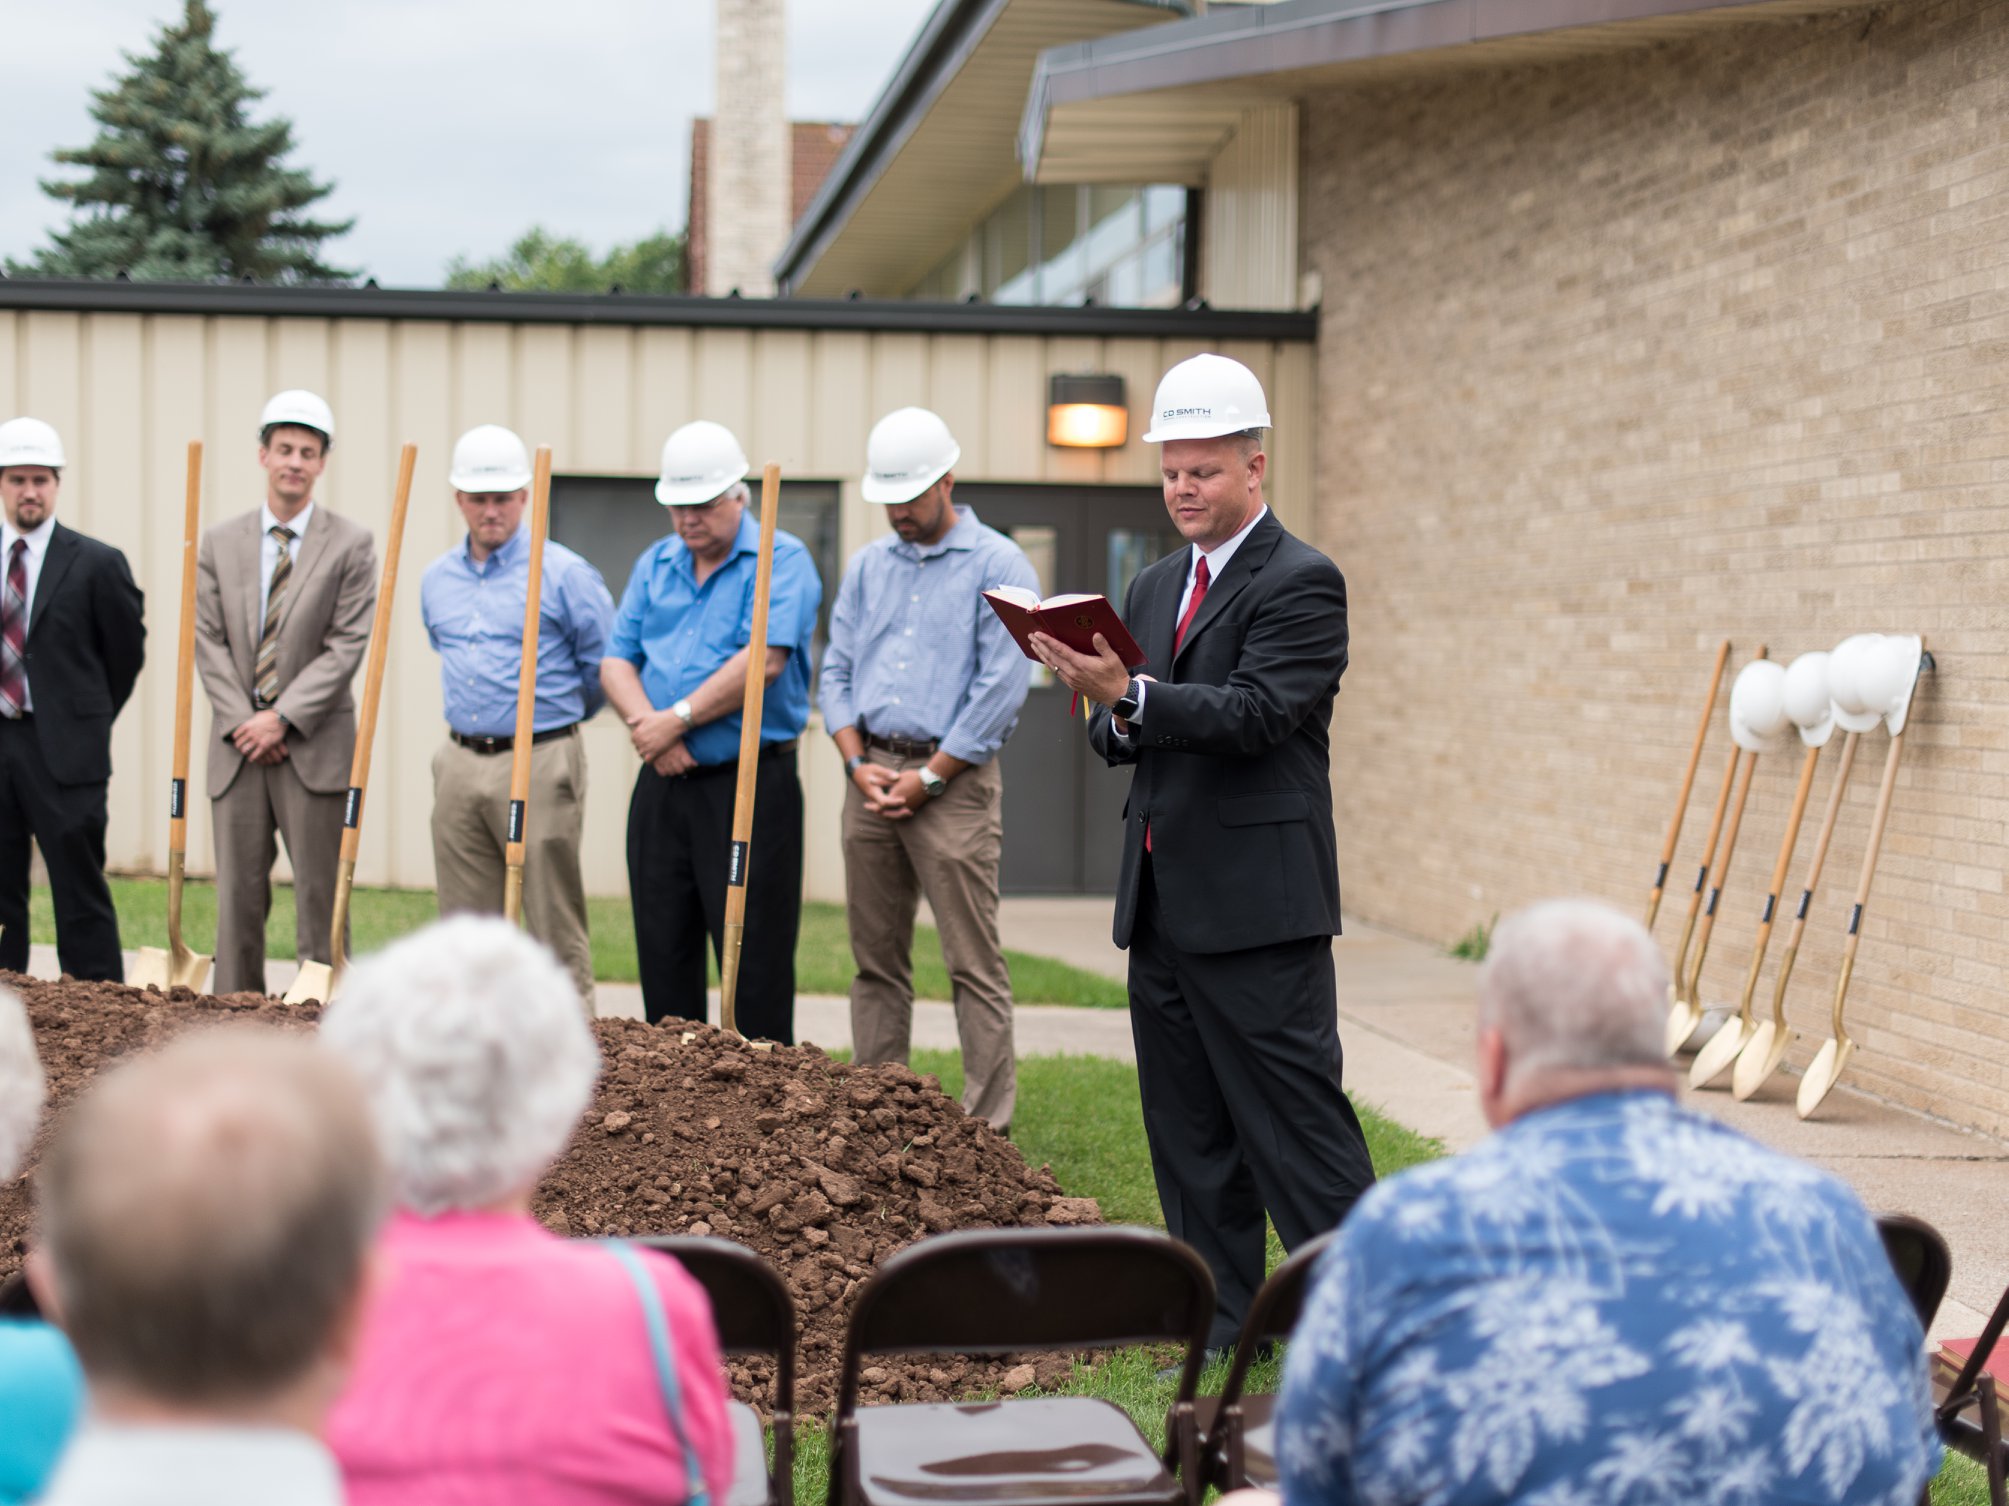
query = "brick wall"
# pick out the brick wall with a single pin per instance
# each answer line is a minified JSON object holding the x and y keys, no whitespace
{"x":1627,"y":354}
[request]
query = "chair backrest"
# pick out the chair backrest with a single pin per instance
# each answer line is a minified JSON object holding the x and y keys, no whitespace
{"x":986,"y":1290}
{"x":16,"y":1301}
{"x":1963,"y":1386}
{"x":750,"y":1303}
{"x":1919,"y":1256}
{"x":1273,"y":1314}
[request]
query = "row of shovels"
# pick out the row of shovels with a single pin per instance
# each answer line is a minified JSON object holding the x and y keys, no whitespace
{"x":1867,"y":679}
{"x":178,"y":965}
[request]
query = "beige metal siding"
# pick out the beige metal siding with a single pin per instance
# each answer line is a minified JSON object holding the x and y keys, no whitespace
{"x":1248,"y":253}
{"x":128,"y":391}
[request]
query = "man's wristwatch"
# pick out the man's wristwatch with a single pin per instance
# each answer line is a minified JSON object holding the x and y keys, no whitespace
{"x":1127,"y":705}
{"x":685,"y":714}
{"x":932,"y":784}
{"x":851,"y":764}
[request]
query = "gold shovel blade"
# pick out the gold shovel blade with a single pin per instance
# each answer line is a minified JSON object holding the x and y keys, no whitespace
{"x":189,"y":970}
{"x":1682,"y":1020}
{"x":1719,"y":1051}
{"x":312,"y":984}
{"x":1759,"y":1059}
{"x":1823,"y":1074}
{"x":152,"y":968}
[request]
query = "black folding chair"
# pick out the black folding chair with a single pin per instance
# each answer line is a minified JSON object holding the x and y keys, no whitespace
{"x":1979,"y":1437}
{"x":1919,"y":1256}
{"x":754,"y":1315}
{"x":990,"y":1290}
{"x":16,"y":1301}
{"x":1239,"y":1432}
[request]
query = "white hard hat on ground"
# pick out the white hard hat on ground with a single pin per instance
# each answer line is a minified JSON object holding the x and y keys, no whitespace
{"x":909,"y":451}
{"x":298,"y":406}
{"x":1207,"y":397}
{"x":29,"y":441}
{"x":700,"y":461}
{"x":489,"y":458}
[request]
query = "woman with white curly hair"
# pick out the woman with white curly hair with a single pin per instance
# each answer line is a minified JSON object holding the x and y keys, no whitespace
{"x":41,"y":1384}
{"x":499,"y":1361}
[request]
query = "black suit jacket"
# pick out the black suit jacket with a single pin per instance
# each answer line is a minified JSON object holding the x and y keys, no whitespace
{"x":1232,"y":753}
{"x":86,"y":642}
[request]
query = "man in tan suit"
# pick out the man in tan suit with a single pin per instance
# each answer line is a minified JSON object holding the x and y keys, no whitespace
{"x":283,"y":608}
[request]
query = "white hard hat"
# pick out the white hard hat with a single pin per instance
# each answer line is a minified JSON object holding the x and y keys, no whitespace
{"x":489,"y":458}
{"x":700,"y":461}
{"x":298,"y":406}
{"x":1205,"y":398}
{"x":1871,"y":676}
{"x":29,"y":441}
{"x":1808,"y":704}
{"x":1758,"y":705}
{"x":909,"y":450}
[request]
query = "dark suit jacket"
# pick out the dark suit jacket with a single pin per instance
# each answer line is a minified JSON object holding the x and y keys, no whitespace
{"x":1232,"y":753}
{"x":86,"y":642}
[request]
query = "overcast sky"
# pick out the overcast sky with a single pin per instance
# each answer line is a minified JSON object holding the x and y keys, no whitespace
{"x":447,"y":126}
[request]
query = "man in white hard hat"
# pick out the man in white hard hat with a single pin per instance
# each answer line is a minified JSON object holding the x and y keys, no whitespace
{"x":675,"y":672}
{"x":71,"y":645}
{"x":472,"y":601}
{"x":921,"y":685}
{"x":283,"y":603}
{"x":1228,"y":894}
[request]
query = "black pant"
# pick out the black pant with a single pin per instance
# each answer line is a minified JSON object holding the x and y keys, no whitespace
{"x":67,"y":822}
{"x":679,"y":843}
{"x":1238,"y":1062}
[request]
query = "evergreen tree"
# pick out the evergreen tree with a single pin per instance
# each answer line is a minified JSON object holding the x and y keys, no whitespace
{"x":545,"y":263}
{"x":183,"y":185}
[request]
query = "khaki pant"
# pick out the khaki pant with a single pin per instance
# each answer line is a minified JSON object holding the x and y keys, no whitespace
{"x":949,"y":850}
{"x":470,"y":830}
{"x":264,"y":803}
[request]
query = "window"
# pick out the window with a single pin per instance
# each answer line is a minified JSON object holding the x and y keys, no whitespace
{"x":1122,"y":246}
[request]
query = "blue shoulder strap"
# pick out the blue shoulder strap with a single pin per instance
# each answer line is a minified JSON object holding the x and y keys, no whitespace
{"x":666,"y":1365}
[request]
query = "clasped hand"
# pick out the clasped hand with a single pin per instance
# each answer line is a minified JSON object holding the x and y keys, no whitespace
{"x":658,"y":738}
{"x":261,"y":738}
{"x":896,"y":796}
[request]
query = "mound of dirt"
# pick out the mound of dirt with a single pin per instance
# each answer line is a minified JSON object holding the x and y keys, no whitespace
{"x":823,"y":1167}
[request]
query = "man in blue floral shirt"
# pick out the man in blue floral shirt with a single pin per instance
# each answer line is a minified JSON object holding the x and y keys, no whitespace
{"x":1610,"y":1301}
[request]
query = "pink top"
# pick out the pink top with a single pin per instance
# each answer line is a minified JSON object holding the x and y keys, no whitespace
{"x":500,"y":1362}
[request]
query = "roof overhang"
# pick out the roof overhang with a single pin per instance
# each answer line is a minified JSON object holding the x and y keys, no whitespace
{"x":935,"y":154}
{"x":1156,"y":106}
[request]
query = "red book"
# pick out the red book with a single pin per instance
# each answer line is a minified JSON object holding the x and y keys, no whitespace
{"x":1074,"y":620}
{"x":1954,"y":1354}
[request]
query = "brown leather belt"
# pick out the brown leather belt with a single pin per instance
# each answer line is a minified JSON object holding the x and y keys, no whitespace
{"x":901,"y":747}
{"x":504,"y":744}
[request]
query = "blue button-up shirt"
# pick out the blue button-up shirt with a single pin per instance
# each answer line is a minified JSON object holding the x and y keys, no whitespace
{"x":915,"y":651}
{"x":1612,"y":1300}
{"x":473,"y":612}
{"x":677,"y":632}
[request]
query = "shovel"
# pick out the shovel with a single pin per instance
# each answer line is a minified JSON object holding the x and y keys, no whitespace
{"x":316,"y":980}
{"x":1683,"y":1013}
{"x":1762,"y":1054}
{"x":1718,"y":879}
{"x":749,"y":755}
{"x":1687,"y":784}
{"x":526,"y":690}
{"x":154,"y":968}
{"x":1876,"y":683}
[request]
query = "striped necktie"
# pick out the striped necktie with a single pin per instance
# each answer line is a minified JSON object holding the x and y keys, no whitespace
{"x":14,"y":633}
{"x":275,"y":604}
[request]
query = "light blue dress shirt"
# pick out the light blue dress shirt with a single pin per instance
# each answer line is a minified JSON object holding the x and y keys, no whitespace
{"x":915,"y":650}
{"x":1613,"y":1301}
{"x":473,"y":614}
{"x":677,"y":632}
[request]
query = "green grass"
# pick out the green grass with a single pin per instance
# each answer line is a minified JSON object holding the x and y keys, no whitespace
{"x":1961,"y":1482}
{"x":1475,"y":943}
{"x":377,"y":916}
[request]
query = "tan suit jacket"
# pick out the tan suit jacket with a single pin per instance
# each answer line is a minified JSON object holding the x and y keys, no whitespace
{"x":323,"y":630}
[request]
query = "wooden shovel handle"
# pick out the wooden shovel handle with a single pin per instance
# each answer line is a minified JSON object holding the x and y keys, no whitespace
{"x":184,"y":662}
{"x":1883,"y":795}
{"x":526,"y":677}
{"x":1787,"y":840}
{"x":373,"y":671}
{"x":1813,"y":878}
{"x":749,"y":754}
{"x":1688,"y":777}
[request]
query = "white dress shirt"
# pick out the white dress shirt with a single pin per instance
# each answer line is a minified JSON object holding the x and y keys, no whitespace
{"x":111,"y":1465}
{"x":1217,"y":561}
{"x":268,"y":550}
{"x":38,"y":547}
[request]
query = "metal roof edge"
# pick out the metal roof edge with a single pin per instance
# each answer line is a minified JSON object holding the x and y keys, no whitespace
{"x":63,"y":295}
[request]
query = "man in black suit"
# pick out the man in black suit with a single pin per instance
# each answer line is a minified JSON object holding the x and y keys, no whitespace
{"x":1228,"y":895}
{"x":71,"y":645}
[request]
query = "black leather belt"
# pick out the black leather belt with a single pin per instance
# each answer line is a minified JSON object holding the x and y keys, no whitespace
{"x":767,"y":751}
{"x":901,"y":747}
{"x":504,"y":744}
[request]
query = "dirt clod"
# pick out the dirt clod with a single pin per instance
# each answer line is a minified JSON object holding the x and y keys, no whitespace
{"x":823,"y":1167}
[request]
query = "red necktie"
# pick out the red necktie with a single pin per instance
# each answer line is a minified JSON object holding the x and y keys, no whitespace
{"x":14,"y":633}
{"x":1179,"y":637}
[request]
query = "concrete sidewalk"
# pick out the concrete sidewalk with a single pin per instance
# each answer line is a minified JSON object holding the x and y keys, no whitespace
{"x":1406,"y":1017}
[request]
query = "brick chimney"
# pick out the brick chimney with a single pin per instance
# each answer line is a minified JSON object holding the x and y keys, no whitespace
{"x":747,"y":181}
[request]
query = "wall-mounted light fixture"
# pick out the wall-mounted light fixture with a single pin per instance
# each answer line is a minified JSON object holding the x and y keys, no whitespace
{"x":1085,"y":412}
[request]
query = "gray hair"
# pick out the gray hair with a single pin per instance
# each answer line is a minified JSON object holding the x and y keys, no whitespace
{"x":476,"y":1056}
{"x":22,"y":1088}
{"x":1573,"y":984}
{"x":207,"y":1211}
